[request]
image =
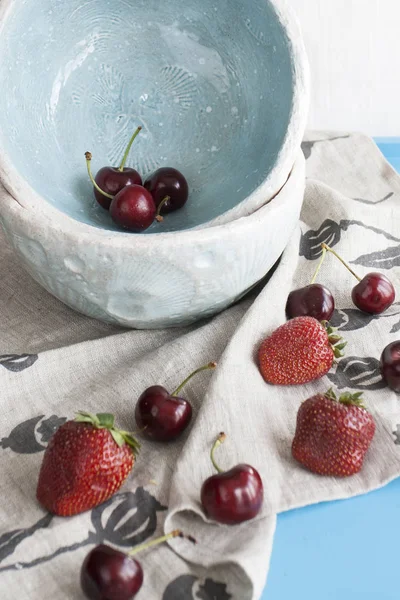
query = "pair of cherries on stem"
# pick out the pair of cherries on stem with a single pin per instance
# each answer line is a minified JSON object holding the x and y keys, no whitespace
{"x":133,"y":205}
{"x":373,"y":294}
{"x":108,"y":574}
{"x":229,"y":497}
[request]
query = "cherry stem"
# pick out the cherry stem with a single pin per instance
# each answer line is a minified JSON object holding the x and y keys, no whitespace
{"x":89,"y":168}
{"x":328,"y":249}
{"x":220,"y":440}
{"x":128,"y":148}
{"x":156,"y":542}
{"x":321,"y":262}
{"x":159,"y":218}
{"x":210,"y":365}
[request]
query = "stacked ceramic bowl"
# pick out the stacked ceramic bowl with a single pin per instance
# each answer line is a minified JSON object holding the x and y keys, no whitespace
{"x":221,"y":90}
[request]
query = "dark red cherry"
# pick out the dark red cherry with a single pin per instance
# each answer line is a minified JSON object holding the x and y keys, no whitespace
{"x":162,"y":416}
{"x":233,"y":496}
{"x":390,"y":366}
{"x":133,"y":209}
{"x":108,"y":574}
{"x":109,"y":181}
{"x":168,"y":182}
{"x":374,"y":294}
{"x":314,"y":300}
{"x":112,"y":181}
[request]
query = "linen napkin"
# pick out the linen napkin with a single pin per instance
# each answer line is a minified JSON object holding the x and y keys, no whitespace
{"x":54,"y":362}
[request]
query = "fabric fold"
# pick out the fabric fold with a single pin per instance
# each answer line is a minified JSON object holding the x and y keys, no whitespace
{"x":53,"y":363}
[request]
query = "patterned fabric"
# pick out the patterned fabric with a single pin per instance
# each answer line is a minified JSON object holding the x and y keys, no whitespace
{"x":54,"y":362}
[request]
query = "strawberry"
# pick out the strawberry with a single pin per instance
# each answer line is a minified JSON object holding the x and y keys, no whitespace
{"x":332,"y":436}
{"x":299,"y":351}
{"x":85,"y":463}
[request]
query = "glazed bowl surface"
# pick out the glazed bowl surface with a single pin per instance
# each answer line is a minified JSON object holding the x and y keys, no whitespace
{"x":220,"y":88}
{"x":155,"y":281}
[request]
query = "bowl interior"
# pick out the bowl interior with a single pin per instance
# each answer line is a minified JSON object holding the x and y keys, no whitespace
{"x":210,"y":82}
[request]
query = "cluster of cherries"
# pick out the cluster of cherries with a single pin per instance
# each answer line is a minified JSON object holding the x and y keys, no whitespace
{"x":233,"y":496}
{"x":373,"y":294}
{"x":229,"y":497}
{"x":135,"y":205}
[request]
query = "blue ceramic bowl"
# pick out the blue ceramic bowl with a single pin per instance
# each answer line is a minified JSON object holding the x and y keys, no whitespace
{"x":220,"y":88}
{"x":152,"y":281}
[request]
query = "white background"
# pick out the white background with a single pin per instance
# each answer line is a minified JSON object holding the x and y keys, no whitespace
{"x":354,"y":51}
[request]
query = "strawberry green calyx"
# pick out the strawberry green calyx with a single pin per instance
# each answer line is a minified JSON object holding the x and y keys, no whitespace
{"x":352,"y":399}
{"x":335,"y":340}
{"x":330,"y":394}
{"x":107,"y":421}
{"x":347,"y":398}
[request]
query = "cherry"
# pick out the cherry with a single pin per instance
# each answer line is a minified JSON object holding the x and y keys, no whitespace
{"x":133,"y":208}
{"x":233,"y":496}
{"x":113,"y":179}
{"x":390,"y":366}
{"x":314,"y":300}
{"x":108,"y":574}
{"x":163,"y":416}
{"x":374,"y":293}
{"x":168,"y":182}
{"x":311,"y":301}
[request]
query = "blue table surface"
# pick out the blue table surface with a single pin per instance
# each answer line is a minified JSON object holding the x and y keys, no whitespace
{"x":345,"y":550}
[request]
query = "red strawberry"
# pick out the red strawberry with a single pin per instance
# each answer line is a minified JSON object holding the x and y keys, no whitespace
{"x":298,"y":352}
{"x":85,"y":463}
{"x":333,"y":436}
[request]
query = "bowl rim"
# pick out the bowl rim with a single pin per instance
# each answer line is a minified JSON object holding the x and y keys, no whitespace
{"x":297,"y":121}
{"x":266,"y":192}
